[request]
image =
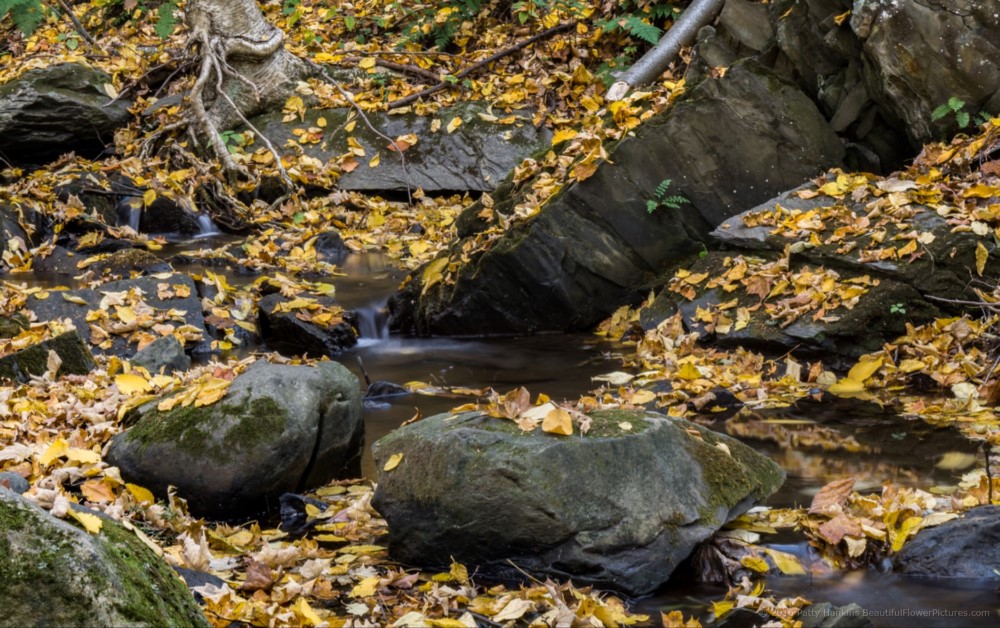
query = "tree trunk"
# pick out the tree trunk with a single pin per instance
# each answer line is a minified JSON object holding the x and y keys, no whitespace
{"x":244,"y":70}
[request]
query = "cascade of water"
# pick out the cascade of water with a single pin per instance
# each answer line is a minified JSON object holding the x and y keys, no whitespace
{"x":206,"y":227}
{"x":373,"y":323}
{"x":129,"y":212}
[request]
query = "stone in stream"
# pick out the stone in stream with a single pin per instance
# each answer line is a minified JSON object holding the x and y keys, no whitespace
{"x":288,"y":333}
{"x":56,"y":574}
{"x":279,"y":429}
{"x":57,"y":109}
{"x":73,"y":352}
{"x":728,"y":144}
{"x":619,"y":507}
{"x":961,"y":548}
{"x":179,"y":299}
{"x":475,"y":157}
{"x":165,"y":353}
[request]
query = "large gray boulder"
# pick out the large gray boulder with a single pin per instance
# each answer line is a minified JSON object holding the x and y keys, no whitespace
{"x":47,"y":112}
{"x":56,"y":574}
{"x":279,"y":429}
{"x":731,"y":143}
{"x":619,"y":507}
{"x":474,"y":157}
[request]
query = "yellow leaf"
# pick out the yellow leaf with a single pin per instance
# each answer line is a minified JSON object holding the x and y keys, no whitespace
{"x":392,"y":462}
{"x":91,"y":523}
{"x":446,"y":622}
{"x":83,"y":456}
{"x":367,"y":63}
{"x":558,"y":421}
{"x":125,"y":314}
{"x":434,"y":273}
{"x":865,"y":368}
{"x":787,"y":563}
{"x":755,"y":563}
{"x":563,"y":135}
{"x":56,"y":450}
{"x":365,"y":588}
{"x":130,"y":383}
{"x":909,"y":526}
{"x":847,"y":387}
{"x":303,"y":610}
{"x":148,"y":197}
{"x":454,"y":124}
{"x":141,"y":494}
{"x":722,"y":607}
{"x":321,"y":122}
{"x":374,"y":161}
{"x":72,"y":298}
{"x":981,"y":255}
{"x":688,"y":371}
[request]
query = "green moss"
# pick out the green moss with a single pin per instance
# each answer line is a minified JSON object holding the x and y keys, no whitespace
{"x":198,"y":431}
{"x":11,"y":326}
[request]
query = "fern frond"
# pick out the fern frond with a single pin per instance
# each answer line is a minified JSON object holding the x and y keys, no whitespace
{"x":661,"y":189}
{"x":26,"y":14}
{"x":637,"y":27}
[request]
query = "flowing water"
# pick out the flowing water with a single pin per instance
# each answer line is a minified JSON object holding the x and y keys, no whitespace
{"x":562,"y":366}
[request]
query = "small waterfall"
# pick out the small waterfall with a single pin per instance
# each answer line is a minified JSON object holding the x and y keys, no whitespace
{"x":373,"y":324}
{"x":129,"y":212}
{"x":206,"y":228}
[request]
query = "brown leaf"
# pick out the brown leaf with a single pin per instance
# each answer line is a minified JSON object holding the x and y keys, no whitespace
{"x":259,"y":576}
{"x":837,"y":528}
{"x":831,"y":498}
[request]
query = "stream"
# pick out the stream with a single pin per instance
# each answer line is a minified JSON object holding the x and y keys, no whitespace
{"x":562,"y":365}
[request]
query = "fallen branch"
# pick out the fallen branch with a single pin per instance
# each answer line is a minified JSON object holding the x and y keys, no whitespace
{"x":400,"y":67}
{"x":77,"y":25}
{"x":453,"y":79}
{"x":653,"y":63}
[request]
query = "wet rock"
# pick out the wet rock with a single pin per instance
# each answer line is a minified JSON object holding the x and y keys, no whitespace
{"x":56,"y":574}
{"x":381,"y":389}
{"x":330,"y":247}
{"x":278,"y":429}
{"x":50,"y":111}
{"x":918,"y":55}
{"x":10,"y":232}
{"x":730,"y":143}
{"x":71,"y":349}
{"x":168,"y":216}
{"x":962,"y":548}
{"x":475,"y":157}
{"x":165,"y":354}
{"x":289,"y":334}
{"x":849,"y":332}
{"x":14,"y":482}
{"x":613,"y":508}
{"x":180,"y":296}
{"x":942,"y":270}
{"x":58,"y":261}
{"x":123,"y":263}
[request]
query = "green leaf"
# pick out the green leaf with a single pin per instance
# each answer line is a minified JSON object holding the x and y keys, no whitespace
{"x":166,"y":19}
{"x":962,"y":118}
{"x":73,"y":43}
{"x":955,"y":103}
{"x":940,"y":112}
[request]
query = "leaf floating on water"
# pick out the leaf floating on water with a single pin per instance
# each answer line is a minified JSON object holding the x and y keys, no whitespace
{"x":392,"y":462}
{"x":831,"y":498}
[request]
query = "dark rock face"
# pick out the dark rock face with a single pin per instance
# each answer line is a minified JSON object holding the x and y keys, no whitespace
{"x":961,"y":548}
{"x":278,"y":429}
{"x":71,"y":349}
{"x":10,"y":232}
{"x":730,"y":143}
{"x":287,"y":333}
{"x":475,"y":157}
{"x":181,"y":295}
{"x":56,"y":574}
{"x":919,"y":54}
{"x":619,"y":507}
{"x":51,"y":111}
{"x":121,"y":264}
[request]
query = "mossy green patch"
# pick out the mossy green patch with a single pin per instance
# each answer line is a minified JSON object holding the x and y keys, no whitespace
{"x":218,"y":431}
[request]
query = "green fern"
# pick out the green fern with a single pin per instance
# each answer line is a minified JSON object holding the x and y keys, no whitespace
{"x":660,"y":198}
{"x":27,"y":14}
{"x":641,"y":29}
{"x":166,"y":18}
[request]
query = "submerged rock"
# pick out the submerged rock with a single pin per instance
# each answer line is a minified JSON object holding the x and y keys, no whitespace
{"x":50,"y":111}
{"x":962,"y":548}
{"x":278,"y":429}
{"x":55,"y":574}
{"x":475,"y":157}
{"x":74,"y":354}
{"x":731,"y":143}
{"x":619,"y":507}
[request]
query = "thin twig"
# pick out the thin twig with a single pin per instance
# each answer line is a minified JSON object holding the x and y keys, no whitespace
{"x":400,"y":67}
{"x":78,"y":26}
{"x":452,"y":80}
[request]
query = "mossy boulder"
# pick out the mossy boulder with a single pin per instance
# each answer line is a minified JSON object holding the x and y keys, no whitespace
{"x":55,"y":574}
{"x":54,"y":110}
{"x":279,"y":428}
{"x":34,"y":360}
{"x":619,"y":507}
